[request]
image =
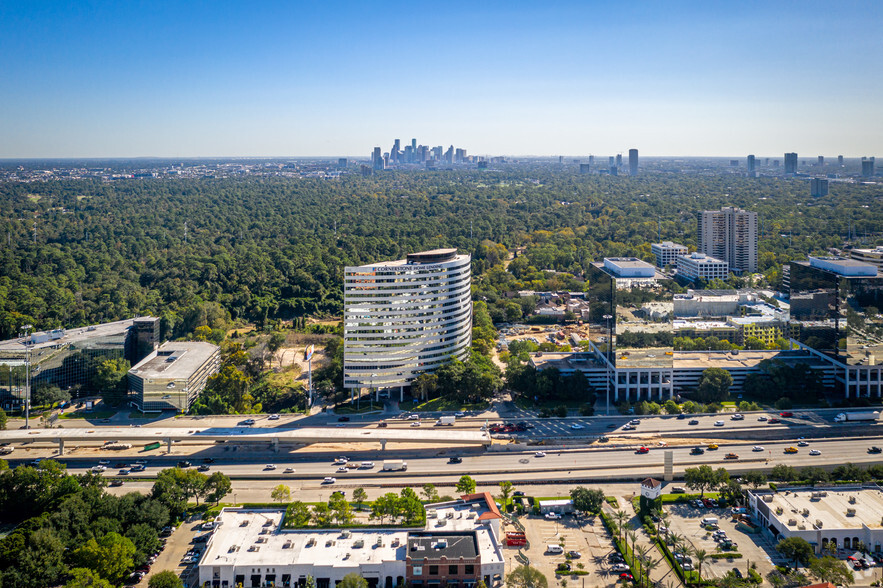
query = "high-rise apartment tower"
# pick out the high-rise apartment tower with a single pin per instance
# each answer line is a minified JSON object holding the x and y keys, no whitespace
{"x":730,"y":234}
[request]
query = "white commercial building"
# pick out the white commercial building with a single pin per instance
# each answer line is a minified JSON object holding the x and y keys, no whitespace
{"x":459,"y":545}
{"x":667,"y":252}
{"x":699,"y":266}
{"x":406,"y":317}
{"x":839,"y":518}
{"x":173,"y":376}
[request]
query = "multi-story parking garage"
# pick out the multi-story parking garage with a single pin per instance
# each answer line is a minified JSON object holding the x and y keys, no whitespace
{"x":405,"y":317}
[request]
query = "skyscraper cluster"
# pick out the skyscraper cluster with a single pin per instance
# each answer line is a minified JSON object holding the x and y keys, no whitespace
{"x":417,"y":154}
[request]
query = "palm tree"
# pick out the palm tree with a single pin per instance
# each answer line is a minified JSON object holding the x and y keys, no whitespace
{"x":634,"y":537}
{"x":701,"y":556}
{"x":649,"y":566}
{"x":621,"y":518}
{"x":641,"y":552}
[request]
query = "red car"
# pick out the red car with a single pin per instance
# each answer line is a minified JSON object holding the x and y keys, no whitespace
{"x":626,"y":576}
{"x":786,"y":414}
{"x":643,"y":450}
{"x":774,"y":421}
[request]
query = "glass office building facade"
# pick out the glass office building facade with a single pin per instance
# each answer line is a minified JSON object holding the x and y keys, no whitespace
{"x":835,"y":310}
{"x":70,"y":358}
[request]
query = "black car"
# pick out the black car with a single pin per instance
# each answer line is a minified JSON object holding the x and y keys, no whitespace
{"x":203,"y":468}
{"x":184,"y":464}
{"x":875,"y":449}
{"x":737,"y":573}
{"x":693,"y":422}
{"x":455,"y":459}
{"x":681,"y":416}
{"x":343,"y":419}
{"x":518,"y":493}
{"x":116,"y":482}
{"x":697,"y":451}
{"x":382,"y":425}
{"x":208,"y":460}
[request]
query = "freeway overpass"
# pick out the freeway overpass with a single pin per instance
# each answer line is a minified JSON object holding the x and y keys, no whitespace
{"x":305,"y":435}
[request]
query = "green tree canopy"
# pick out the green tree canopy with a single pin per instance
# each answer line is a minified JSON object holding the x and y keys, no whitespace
{"x":165,"y":579}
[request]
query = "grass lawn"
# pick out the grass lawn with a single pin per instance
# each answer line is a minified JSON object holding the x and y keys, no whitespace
{"x":137,"y":414}
{"x":447,"y":404}
{"x":86,"y":414}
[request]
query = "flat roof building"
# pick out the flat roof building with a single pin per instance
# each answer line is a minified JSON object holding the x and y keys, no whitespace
{"x":871,"y":256}
{"x":667,"y":252}
{"x":629,"y":267}
{"x":841,"y":517}
{"x":699,"y":266}
{"x":459,"y":545}
{"x":69,"y":358}
{"x":406,"y":317}
{"x":173,"y":376}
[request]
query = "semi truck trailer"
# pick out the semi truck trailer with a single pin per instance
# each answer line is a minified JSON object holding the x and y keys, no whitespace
{"x":864,"y":415}
{"x":394,"y":465}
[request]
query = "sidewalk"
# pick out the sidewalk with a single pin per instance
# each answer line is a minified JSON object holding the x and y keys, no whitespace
{"x":662,"y":575}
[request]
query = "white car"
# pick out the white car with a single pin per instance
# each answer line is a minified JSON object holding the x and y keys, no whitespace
{"x":619,"y":567}
{"x":718,"y":423}
{"x":413,"y":417}
{"x":329,"y":480}
{"x":539,"y":454}
{"x":342,"y":470}
{"x":762,"y":418}
{"x":415,"y":424}
{"x":98,"y":469}
{"x":757,"y":448}
{"x":687,"y":566}
{"x":576,"y":426}
{"x":269,"y":466}
{"x":815,"y":452}
{"x":288,"y":471}
{"x":737,"y":417}
{"x":802,"y":443}
{"x":552,"y":516}
{"x":273,"y":417}
{"x":459,"y":414}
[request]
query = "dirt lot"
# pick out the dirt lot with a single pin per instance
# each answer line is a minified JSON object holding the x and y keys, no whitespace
{"x":587,"y":536}
{"x":685,"y":520}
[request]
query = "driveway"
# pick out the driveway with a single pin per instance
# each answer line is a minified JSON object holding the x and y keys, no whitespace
{"x":177,"y":545}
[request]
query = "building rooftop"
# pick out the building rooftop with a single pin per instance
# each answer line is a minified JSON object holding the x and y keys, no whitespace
{"x":58,"y":337}
{"x":175,"y":359}
{"x":432,"y":256}
{"x":668,"y":245}
{"x":248,"y":537}
{"x":829,"y":506}
{"x":435,"y":545}
{"x":700,"y":258}
{"x":844,"y":266}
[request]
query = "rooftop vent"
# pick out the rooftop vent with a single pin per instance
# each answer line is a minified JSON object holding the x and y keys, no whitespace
{"x":287,"y":545}
{"x":359,"y":544}
{"x":442,"y":544}
{"x":243,"y":524}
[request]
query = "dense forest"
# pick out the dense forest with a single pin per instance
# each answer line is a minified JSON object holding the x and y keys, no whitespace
{"x":264,"y":249}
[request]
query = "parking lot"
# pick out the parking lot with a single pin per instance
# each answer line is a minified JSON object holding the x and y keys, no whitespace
{"x":177,"y":546}
{"x":755,"y":549}
{"x":587,"y":536}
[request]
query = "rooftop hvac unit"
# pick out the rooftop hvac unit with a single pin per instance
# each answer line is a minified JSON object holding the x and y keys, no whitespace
{"x":254,"y":548}
{"x":443,"y":523}
{"x":345,"y":535}
{"x":430,"y":514}
{"x":818,"y":524}
{"x":805,"y":512}
{"x":852,"y":500}
{"x":442,"y":544}
{"x":287,"y":545}
{"x":261,"y":540}
{"x":311,"y":542}
{"x":791,"y":522}
{"x":768,"y":498}
{"x":779,"y":510}
{"x":359,"y":544}
{"x":850,"y":512}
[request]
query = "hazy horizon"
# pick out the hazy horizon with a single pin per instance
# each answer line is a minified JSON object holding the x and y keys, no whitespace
{"x":224,"y":80}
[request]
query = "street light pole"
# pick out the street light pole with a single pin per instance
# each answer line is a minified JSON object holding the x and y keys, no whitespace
{"x":27,"y":328}
{"x":607,"y":318}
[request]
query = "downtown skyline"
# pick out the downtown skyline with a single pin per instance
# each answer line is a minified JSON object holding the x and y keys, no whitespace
{"x":222,"y":80}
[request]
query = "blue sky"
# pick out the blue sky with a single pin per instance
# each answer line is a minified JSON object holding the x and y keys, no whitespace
{"x":216,"y":78}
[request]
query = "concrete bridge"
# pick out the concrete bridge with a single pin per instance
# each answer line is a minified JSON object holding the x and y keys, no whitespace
{"x":305,"y":435}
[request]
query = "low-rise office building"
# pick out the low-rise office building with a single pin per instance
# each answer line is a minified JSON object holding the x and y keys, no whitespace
{"x":173,"y":376}
{"x":69,"y":358}
{"x":840,"y":518}
{"x":459,"y":546}
{"x":699,"y":266}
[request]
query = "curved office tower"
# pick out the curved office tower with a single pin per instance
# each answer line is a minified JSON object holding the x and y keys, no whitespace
{"x":405,"y":317}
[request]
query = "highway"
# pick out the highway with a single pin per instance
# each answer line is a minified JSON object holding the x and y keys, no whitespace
{"x":601,"y":463}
